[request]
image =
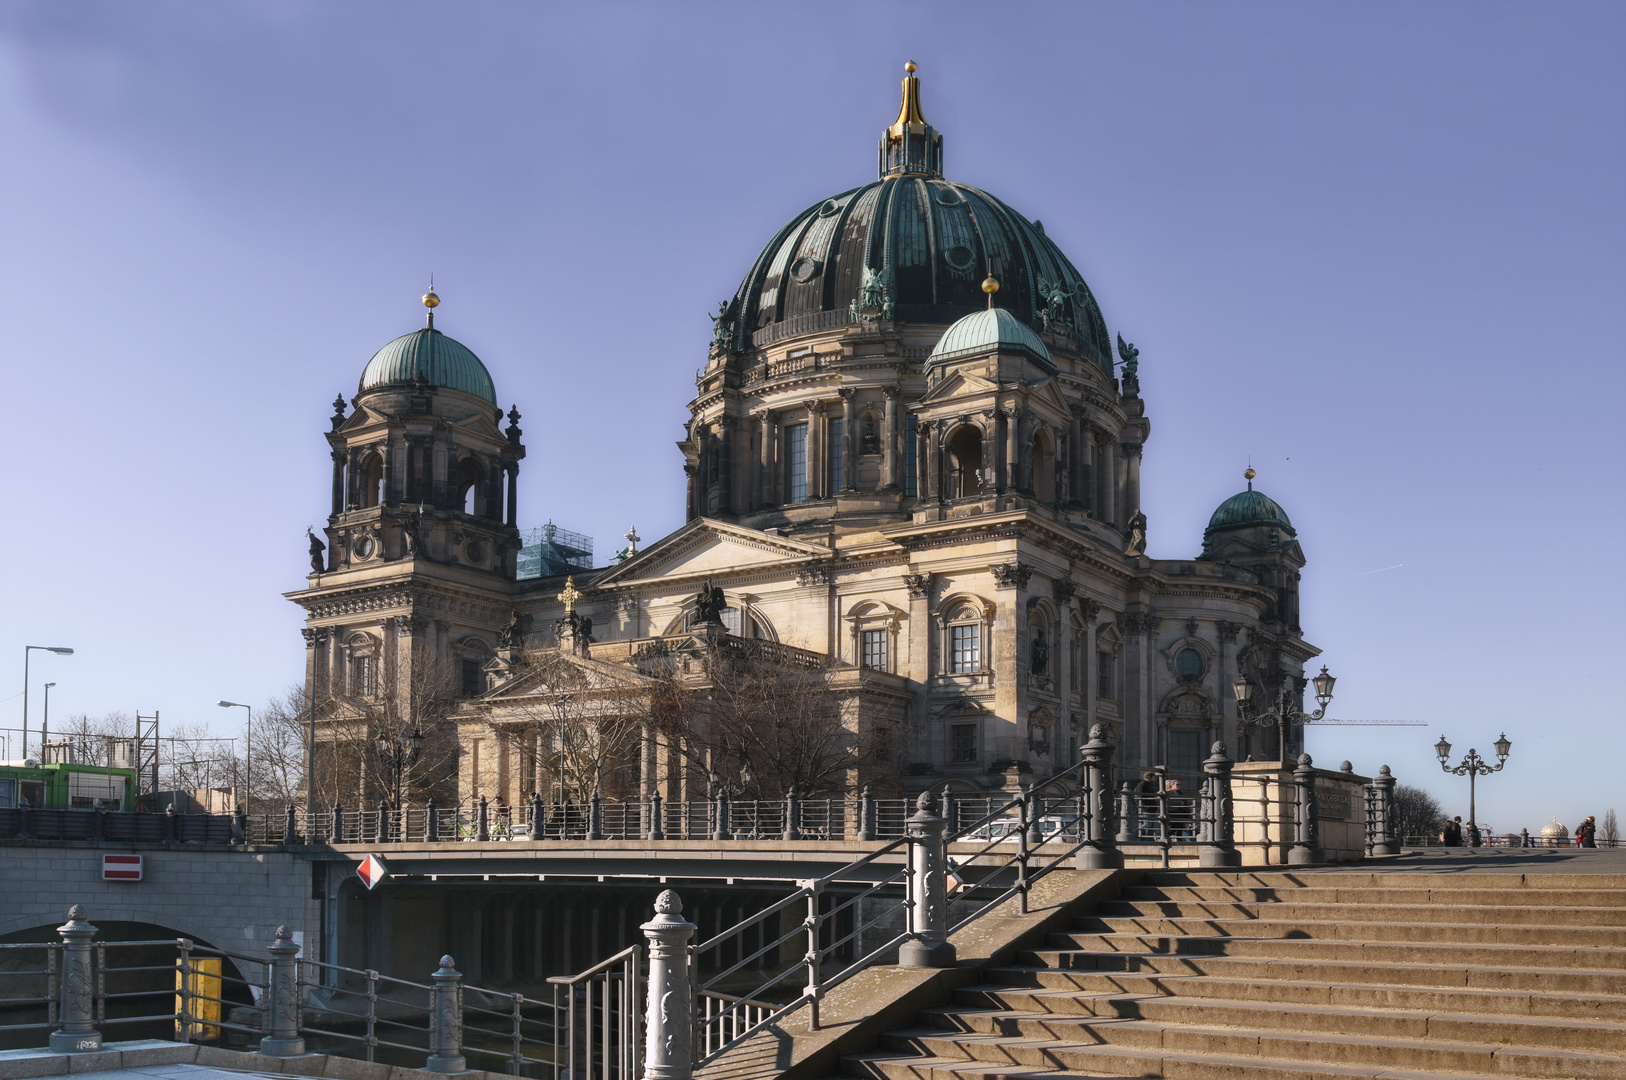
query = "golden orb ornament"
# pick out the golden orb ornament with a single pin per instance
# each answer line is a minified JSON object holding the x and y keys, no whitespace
{"x":990,"y":284}
{"x":1249,"y":474}
{"x":430,"y":300}
{"x":909,"y":66}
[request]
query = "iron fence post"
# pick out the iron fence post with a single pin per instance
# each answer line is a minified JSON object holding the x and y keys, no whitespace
{"x":78,"y":1031}
{"x":1307,"y":824}
{"x":1218,"y":824}
{"x":336,"y":826}
{"x":446,"y":1020}
{"x":1384,"y":841}
{"x":866,"y":814}
{"x":721,"y":830}
{"x":535,"y":828}
{"x":927,"y":889}
{"x":1101,"y":850}
{"x":239,"y":827}
{"x":25,"y":819}
{"x":381,"y":831}
{"x":282,"y":998}
{"x":290,"y":828}
{"x":431,"y":828}
{"x":669,"y":1022}
{"x":1128,"y":816}
{"x":793,"y":814}
{"x":815,"y":983}
{"x":595,"y":818}
{"x":485,"y":821}
{"x":655,"y":830}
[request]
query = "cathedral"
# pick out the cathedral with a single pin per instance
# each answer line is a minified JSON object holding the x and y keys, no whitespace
{"x":912,"y":461}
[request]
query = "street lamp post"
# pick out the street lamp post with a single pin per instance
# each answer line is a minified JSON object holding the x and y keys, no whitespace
{"x":248,"y":751}
{"x":60,"y":650}
{"x":1287,"y":712}
{"x":398,"y":757}
{"x":1474,"y":766}
{"x":45,"y":724}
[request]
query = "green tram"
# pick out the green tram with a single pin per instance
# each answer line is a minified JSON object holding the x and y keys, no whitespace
{"x":68,"y":787}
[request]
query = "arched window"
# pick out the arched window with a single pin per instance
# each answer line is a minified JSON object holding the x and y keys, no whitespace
{"x":965,"y":463}
{"x":372,"y":481}
{"x":1044,"y":467}
{"x":966,"y":652}
{"x":468,"y":486}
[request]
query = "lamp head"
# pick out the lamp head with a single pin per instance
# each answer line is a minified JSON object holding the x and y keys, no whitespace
{"x":1243,"y":689}
{"x":231,"y":705}
{"x":49,"y":685}
{"x":382,"y":745}
{"x":60,"y":651}
{"x":1503,"y":746}
{"x":415,"y":740}
{"x":1323,"y":686}
{"x":1443,"y":749}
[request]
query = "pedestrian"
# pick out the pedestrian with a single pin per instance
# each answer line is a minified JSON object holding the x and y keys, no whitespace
{"x":1586,"y":833}
{"x":1451,"y":835}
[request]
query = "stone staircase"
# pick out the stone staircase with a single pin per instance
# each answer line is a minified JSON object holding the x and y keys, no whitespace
{"x":1283,"y":976}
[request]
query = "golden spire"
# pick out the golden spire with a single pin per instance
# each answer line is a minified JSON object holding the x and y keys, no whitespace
{"x":431,"y":301}
{"x":909,"y":112}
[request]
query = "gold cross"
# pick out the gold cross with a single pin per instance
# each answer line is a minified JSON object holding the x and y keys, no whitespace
{"x":632,"y":538}
{"x":569,"y":596}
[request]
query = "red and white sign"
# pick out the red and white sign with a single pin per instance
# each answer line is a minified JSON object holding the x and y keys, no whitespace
{"x":372,"y":870}
{"x":121,"y":867}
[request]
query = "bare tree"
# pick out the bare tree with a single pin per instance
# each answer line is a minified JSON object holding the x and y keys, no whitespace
{"x":350,"y":768}
{"x":1609,"y":831}
{"x":1417,"y":813}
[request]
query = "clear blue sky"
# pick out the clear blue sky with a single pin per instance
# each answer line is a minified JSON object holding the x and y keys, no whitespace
{"x":1377,"y":247}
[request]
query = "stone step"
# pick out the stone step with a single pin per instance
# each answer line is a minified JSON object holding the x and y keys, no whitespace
{"x":1058,"y":971}
{"x":1439,"y":897}
{"x":1529,"y":884}
{"x":1375,"y":952}
{"x":1331,"y":1020}
{"x":1348,"y":930}
{"x":1279,"y":910}
{"x":1085,"y":994}
{"x":889,"y":1066}
{"x":1139,"y":1047}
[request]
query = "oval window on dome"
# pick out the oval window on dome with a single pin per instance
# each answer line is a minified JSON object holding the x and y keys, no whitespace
{"x":946,"y":196}
{"x":1188,"y":664}
{"x":830,"y":208}
{"x":805,"y":270}
{"x":960,"y":257}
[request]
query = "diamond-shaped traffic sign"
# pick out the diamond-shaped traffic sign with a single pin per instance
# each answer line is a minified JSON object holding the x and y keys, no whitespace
{"x":372,"y":870}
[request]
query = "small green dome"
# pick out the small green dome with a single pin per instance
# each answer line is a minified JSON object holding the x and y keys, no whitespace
{"x":440,"y":360}
{"x":1247,"y":508}
{"x":992,"y":330}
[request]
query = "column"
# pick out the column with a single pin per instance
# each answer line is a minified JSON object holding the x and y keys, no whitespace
{"x":1131,"y":480}
{"x":513,"y":494}
{"x":725,"y":473}
{"x":925,"y":478}
{"x":764,"y":494}
{"x":1061,"y":663}
{"x":1086,"y":459}
{"x":1109,"y":477}
{"x":990,"y":449}
{"x":817,"y":477}
{"x":693,"y":497}
{"x":892,"y":457}
{"x":1013,"y":455}
{"x":338,"y":481}
{"x":849,"y":461}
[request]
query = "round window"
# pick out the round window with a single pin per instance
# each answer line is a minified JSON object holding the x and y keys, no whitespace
{"x":960,"y":257}
{"x":946,"y":196}
{"x":1188,"y":663}
{"x":474,"y":552}
{"x":363,"y":547}
{"x":830,"y":208}
{"x":805,"y":270}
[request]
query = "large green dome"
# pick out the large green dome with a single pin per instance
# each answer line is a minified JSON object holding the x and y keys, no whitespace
{"x":991,"y":330}
{"x":440,"y":360}
{"x":1248,"y":508}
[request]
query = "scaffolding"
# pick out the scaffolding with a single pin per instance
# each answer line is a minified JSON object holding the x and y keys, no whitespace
{"x":550,"y":550}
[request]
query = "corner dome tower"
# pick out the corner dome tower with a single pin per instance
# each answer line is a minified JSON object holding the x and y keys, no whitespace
{"x":431,"y":356}
{"x":1247,"y":509}
{"x":911,"y":247}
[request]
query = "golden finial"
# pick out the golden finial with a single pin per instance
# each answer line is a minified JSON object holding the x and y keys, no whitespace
{"x":909,"y":66}
{"x":431,"y":301}
{"x":990,"y":285}
{"x":909,"y":112}
{"x":1250,"y":474}
{"x":570,"y":595}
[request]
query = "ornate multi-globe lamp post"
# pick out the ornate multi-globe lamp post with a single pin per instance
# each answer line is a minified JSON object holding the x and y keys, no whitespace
{"x":1474,"y":766}
{"x":398,"y":756}
{"x":1287,"y":712}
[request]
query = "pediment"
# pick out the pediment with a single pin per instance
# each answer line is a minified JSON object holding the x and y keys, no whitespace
{"x":549,"y":672}
{"x":959,"y":384}
{"x":707,"y":546}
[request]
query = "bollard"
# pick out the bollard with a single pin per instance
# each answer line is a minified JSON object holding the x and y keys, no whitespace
{"x":793,"y":815}
{"x":335,"y":827}
{"x":595,"y":818}
{"x":721,"y":831}
{"x":538,"y":823}
{"x":431,"y":826}
{"x":866,"y":814}
{"x":282,"y":998}
{"x":655,"y":831}
{"x":1384,"y":841}
{"x":381,"y":834}
{"x":1128,"y":815}
{"x":1101,"y":847}
{"x":1307,"y":824}
{"x":78,"y":1031}
{"x":927,"y":889}
{"x":446,"y":1020}
{"x":1219,"y":820}
{"x":485,"y":821}
{"x":290,"y":828}
{"x":669,"y":1021}
{"x":1033,"y":808}
{"x":949,"y":812}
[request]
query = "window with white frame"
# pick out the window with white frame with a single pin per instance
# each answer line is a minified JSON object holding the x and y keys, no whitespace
{"x":876,"y":648}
